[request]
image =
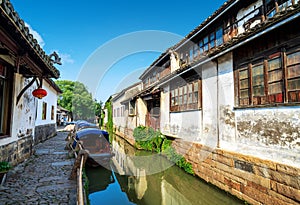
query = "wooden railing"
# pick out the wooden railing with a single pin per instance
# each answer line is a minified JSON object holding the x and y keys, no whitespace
{"x":76,"y":173}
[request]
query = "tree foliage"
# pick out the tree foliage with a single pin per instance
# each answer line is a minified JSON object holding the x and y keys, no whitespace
{"x":77,"y":99}
{"x":110,"y":124}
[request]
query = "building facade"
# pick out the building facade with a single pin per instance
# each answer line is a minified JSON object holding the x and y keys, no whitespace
{"x":229,"y":96}
{"x":124,"y":108}
{"x":24,"y":66}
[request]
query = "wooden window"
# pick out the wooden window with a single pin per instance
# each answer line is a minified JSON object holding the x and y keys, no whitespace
{"x":52,"y":112}
{"x":6,"y":77}
{"x":219,"y":36}
{"x":212,"y":39}
{"x":187,"y":96}
{"x":195,"y":51}
{"x":190,"y":93}
{"x":180,"y":96}
{"x":44,"y":111}
{"x":275,"y":81}
{"x":191,"y":56}
{"x":271,"y":5}
{"x":184,"y":95}
{"x":131,"y":107}
{"x":258,"y":84}
{"x":205,"y":44}
{"x":201,"y":47}
{"x":293,"y":76}
{"x":196,"y":92}
{"x":172,"y":97}
{"x":176,"y":96}
{"x":244,"y":86}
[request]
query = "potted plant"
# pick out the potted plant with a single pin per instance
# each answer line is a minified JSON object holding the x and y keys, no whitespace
{"x":4,"y":167}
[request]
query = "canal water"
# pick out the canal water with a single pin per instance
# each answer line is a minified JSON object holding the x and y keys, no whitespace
{"x":139,"y":177}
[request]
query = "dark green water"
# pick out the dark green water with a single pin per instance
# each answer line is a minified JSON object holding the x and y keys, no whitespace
{"x":134,"y":177}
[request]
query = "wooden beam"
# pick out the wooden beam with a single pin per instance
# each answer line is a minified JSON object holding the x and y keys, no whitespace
{"x":24,"y":89}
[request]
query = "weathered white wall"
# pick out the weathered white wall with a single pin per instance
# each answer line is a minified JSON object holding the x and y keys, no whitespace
{"x":23,"y":118}
{"x":165,"y":110}
{"x":226,"y":114}
{"x":51,"y":100}
{"x":186,"y":125}
{"x":209,"y":105}
{"x":119,"y":121}
{"x":141,"y":112}
{"x":272,"y":133}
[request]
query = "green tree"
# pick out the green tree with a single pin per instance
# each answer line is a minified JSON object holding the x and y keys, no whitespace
{"x":77,"y":99}
{"x":67,"y":88}
{"x":98,"y":111}
{"x":110,"y":124}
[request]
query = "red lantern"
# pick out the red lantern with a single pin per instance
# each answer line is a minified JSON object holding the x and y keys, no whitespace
{"x":39,"y":93}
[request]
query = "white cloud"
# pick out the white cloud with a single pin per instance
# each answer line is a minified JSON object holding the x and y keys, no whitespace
{"x":36,"y":35}
{"x":66,"y":58}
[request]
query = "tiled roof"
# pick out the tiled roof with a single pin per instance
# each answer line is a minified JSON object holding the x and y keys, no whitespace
{"x":12,"y":19}
{"x":205,"y":22}
{"x":198,"y":28}
{"x":269,"y":22}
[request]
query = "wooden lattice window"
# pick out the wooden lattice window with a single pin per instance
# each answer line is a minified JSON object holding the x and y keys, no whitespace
{"x":258,"y":84}
{"x":275,"y":81}
{"x":186,"y":97}
{"x":244,"y":86}
{"x":293,"y":76}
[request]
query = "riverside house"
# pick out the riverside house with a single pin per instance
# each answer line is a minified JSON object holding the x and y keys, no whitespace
{"x":228,"y":94}
{"x":24,"y":66}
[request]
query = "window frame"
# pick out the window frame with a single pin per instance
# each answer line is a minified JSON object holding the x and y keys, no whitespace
{"x":44,"y":110}
{"x":7,"y":81}
{"x":280,"y":95}
{"x":188,"y":91}
{"x":52,"y":112}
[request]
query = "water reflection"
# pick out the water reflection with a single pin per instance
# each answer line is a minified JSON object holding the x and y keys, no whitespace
{"x":129,"y":183}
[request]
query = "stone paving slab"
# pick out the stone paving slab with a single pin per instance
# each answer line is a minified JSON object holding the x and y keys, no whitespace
{"x":43,"y":178}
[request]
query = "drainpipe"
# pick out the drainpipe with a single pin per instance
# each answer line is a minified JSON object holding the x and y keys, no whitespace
{"x":136,"y":112}
{"x":218,"y":106}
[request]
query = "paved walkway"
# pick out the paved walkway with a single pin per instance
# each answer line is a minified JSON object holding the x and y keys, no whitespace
{"x":43,"y":178}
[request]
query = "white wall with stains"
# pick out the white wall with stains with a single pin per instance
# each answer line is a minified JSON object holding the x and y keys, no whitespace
{"x":119,"y":115}
{"x":226,"y":114}
{"x":24,"y":113}
{"x":209,"y":104}
{"x":141,"y":112}
{"x":272,"y":133}
{"x":165,"y":110}
{"x":51,"y":100}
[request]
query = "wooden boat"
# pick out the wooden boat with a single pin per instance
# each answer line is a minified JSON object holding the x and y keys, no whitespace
{"x":96,"y":142}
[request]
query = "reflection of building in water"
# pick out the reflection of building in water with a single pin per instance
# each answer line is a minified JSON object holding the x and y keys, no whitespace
{"x":171,"y":186}
{"x":124,"y":165}
{"x":170,"y":195}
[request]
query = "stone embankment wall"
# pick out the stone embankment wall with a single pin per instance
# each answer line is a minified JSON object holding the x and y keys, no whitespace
{"x":128,"y":136}
{"x":252,"y":179}
{"x":17,"y":151}
{"x":44,"y":132}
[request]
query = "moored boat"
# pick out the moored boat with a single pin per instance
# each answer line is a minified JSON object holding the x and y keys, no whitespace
{"x":96,"y":142}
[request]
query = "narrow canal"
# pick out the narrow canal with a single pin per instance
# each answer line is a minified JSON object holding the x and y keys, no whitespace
{"x":134,"y":178}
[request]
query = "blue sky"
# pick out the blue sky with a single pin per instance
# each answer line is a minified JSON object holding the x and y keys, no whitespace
{"x":80,"y":30}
